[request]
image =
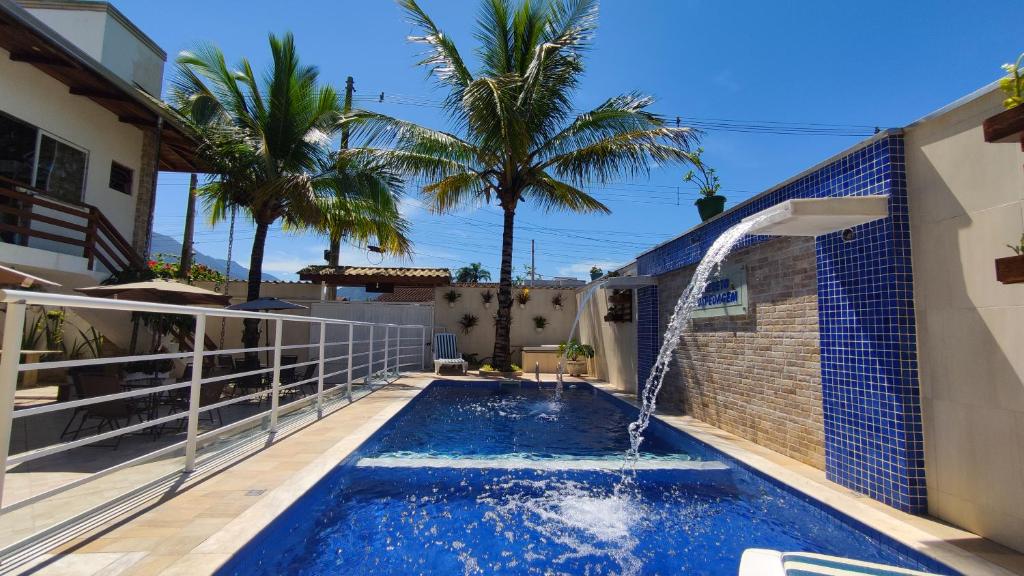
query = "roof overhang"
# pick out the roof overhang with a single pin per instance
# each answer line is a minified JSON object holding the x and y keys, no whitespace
{"x":30,"y":41}
{"x":374,"y":277}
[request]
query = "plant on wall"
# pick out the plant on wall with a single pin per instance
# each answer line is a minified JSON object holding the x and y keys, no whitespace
{"x":595,"y":273}
{"x":540,"y":323}
{"x":452,"y":296}
{"x":487,"y":296}
{"x":468,"y":321}
{"x":523,"y":297}
{"x":1019,"y":248}
{"x":710,"y":203}
{"x":556,"y":301}
{"x":1013,"y":83}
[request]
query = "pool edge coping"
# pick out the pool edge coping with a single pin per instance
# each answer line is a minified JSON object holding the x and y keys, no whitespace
{"x":840,"y":499}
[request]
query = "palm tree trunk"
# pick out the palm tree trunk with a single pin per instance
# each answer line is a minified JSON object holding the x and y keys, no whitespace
{"x":334,"y":261}
{"x":251,"y":332}
{"x":501,"y":359}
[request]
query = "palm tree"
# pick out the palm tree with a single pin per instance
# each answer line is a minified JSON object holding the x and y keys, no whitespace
{"x":267,"y":136}
{"x":516,"y":137}
{"x":364,"y":208}
{"x":473,"y":273}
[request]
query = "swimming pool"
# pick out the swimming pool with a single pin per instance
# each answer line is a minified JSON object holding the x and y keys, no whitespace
{"x":491,"y":478}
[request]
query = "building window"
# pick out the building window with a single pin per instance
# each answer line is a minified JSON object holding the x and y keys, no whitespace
{"x":60,"y":169}
{"x":32,"y":157}
{"x":17,"y":150}
{"x":121,"y":178}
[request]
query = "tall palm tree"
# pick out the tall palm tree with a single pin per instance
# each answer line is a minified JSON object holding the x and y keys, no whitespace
{"x":267,"y":136}
{"x":475,"y":272}
{"x":362,"y":208}
{"x":516,"y":137}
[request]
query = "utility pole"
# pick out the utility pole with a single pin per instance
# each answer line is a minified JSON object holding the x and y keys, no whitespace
{"x":533,"y":262}
{"x":185,"y":262}
{"x":334,"y":251}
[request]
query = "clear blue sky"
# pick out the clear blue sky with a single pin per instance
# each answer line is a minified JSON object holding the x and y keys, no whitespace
{"x":871,"y":63}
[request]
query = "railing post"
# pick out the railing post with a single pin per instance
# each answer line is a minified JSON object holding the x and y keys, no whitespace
{"x":193,"y":396}
{"x":369,"y":366}
{"x":398,"y":351}
{"x":90,"y":239}
{"x":351,"y":334}
{"x":320,"y":373}
{"x":14,"y":327}
{"x":387,"y":346}
{"x":422,"y":346}
{"x":275,"y":383}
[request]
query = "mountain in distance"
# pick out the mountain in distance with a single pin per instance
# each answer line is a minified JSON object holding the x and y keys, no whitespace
{"x":163,"y":244}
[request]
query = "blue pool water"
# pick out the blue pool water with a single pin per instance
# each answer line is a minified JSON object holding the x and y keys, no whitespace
{"x":485,"y":478}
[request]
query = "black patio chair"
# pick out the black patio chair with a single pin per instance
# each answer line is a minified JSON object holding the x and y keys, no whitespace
{"x":112,"y":414}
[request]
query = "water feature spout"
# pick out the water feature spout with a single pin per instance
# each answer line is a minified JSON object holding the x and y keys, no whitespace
{"x":536,"y":370}
{"x":800,"y":217}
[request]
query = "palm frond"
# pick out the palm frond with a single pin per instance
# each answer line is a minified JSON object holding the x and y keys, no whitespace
{"x":442,"y":58}
{"x":550,"y":194}
{"x":626,"y":154}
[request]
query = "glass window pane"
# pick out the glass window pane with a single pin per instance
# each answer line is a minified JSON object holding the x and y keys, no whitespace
{"x":61,"y":170}
{"x":17,"y":150}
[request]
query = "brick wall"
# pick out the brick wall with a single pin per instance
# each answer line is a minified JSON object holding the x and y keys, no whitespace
{"x":757,"y":376}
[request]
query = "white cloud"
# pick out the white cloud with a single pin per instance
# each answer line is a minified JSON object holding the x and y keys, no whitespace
{"x":582,"y":269}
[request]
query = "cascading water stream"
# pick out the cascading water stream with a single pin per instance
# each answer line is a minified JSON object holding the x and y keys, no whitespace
{"x":572,"y":331}
{"x":684,"y":308}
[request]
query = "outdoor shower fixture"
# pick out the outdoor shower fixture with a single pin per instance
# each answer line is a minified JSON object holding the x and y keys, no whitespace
{"x":818,"y":216}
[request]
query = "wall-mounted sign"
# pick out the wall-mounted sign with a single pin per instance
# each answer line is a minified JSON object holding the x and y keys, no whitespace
{"x":725,"y":295}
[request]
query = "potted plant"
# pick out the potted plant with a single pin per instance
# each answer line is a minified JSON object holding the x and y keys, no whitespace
{"x":1010,"y":270}
{"x":556,"y":301}
{"x":487,"y":296}
{"x":539,"y":323}
{"x":523,"y":297}
{"x":1008,"y":125}
{"x":573,"y":351}
{"x":452,"y":296}
{"x":710,"y":203}
{"x":468,"y":321}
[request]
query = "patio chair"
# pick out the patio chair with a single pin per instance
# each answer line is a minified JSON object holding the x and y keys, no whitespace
{"x":446,"y":353}
{"x":112,"y":414}
{"x":76,"y":385}
{"x":209,"y":393}
{"x":253,"y":383}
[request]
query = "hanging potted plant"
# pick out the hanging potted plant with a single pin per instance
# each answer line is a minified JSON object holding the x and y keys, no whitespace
{"x":468,"y":321}
{"x":556,"y":301}
{"x":1010,"y":270}
{"x":710,"y":203}
{"x":539,"y":323}
{"x":576,"y":356}
{"x":452,"y":296}
{"x":523,"y":297}
{"x":487,"y":296}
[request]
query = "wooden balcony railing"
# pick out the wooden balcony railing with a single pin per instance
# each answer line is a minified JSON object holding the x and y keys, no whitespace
{"x":26,"y":212}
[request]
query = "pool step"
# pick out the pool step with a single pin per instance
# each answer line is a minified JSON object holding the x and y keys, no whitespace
{"x":502,"y":463}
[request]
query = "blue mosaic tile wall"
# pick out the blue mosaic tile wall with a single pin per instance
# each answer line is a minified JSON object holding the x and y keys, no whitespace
{"x":870,"y":390}
{"x":648,"y":337}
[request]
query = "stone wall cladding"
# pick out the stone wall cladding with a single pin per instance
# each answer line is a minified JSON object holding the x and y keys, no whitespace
{"x":757,"y":376}
{"x":146,"y":195}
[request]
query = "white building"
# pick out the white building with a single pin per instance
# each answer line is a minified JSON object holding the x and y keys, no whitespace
{"x":82,"y":134}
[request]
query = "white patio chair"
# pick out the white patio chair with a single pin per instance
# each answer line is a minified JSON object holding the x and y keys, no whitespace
{"x":446,"y":353}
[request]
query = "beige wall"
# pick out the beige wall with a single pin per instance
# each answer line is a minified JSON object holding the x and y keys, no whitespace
{"x":101,"y":31}
{"x":965,"y":206}
{"x":756,"y":375}
{"x":30,"y":95}
{"x":480,"y":340}
{"x":614,"y":342}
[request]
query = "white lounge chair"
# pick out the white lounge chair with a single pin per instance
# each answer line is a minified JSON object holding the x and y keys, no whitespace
{"x":761,"y":562}
{"x":446,"y":353}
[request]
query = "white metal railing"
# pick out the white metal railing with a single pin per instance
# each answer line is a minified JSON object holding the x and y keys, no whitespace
{"x":340,"y":352}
